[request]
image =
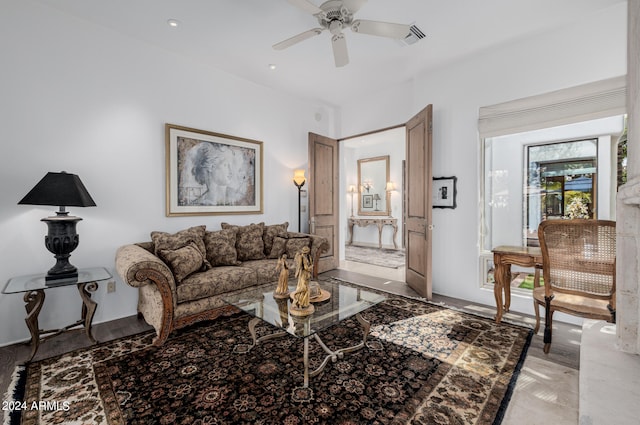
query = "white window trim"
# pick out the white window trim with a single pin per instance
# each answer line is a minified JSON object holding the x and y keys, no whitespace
{"x":574,"y":104}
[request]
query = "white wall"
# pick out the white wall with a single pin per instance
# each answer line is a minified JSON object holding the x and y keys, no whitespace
{"x":591,"y":49}
{"x":83,"y":99}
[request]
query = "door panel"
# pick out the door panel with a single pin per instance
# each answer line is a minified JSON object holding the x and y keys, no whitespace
{"x":418,"y":202}
{"x":323,"y":196}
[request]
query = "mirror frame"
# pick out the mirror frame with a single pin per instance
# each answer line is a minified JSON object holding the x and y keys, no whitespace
{"x":387,"y":210}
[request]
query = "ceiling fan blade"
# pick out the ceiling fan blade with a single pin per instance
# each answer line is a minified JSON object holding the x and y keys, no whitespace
{"x":353,"y":5}
{"x":340,"y":54}
{"x":382,"y":29}
{"x":297,"y":39}
{"x":307,"y":6}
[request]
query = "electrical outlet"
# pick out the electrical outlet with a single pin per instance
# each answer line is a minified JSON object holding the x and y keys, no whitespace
{"x":111,"y":286}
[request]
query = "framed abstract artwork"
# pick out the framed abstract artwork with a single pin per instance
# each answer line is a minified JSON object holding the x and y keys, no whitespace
{"x":444,"y":192}
{"x":211,"y":173}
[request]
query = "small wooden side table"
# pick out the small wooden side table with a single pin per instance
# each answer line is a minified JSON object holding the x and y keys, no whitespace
{"x":378,"y":222}
{"x":33,"y":287}
{"x":503,"y":257}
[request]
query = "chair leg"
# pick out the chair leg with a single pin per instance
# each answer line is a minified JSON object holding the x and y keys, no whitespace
{"x":548,"y":323}
{"x":536,"y":308}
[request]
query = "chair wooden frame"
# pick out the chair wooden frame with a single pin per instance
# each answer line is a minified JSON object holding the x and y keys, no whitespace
{"x":579,"y":271}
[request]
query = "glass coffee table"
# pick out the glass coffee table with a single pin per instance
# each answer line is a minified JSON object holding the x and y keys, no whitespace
{"x":344,"y":302}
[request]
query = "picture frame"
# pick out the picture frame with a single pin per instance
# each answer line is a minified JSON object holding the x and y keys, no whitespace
{"x":444,"y":192}
{"x":211,"y":173}
{"x":367,"y":201}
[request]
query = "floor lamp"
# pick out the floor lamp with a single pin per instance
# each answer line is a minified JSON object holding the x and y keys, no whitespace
{"x":299,"y":180}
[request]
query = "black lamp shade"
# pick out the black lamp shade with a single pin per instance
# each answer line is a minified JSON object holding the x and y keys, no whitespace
{"x":61,"y":189}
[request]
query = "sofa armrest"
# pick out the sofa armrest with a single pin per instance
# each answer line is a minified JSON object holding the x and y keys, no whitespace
{"x":138,"y":267}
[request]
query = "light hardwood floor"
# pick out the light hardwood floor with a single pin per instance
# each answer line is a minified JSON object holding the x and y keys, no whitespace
{"x":547,"y":383}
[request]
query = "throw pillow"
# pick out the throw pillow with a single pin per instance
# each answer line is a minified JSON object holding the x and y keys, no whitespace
{"x":221,"y":247}
{"x":271,"y":232}
{"x":278,"y":248}
{"x":163,"y":241}
{"x":249,"y":243}
{"x":182,"y":261}
{"x":295,"y":245}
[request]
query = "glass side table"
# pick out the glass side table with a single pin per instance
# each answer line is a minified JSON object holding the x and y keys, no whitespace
{"x":33,"y":287}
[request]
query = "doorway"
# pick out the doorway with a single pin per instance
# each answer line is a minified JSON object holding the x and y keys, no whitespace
{"x":327,"y":212}
{"x":372,"y":198}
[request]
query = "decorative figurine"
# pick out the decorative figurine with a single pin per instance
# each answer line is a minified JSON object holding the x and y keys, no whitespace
{"x":282,"y":291}
{"x":304,"y":266}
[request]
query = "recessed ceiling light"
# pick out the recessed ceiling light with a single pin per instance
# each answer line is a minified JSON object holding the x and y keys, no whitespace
{"x":272,"y":66}
{"x":173,"y":23}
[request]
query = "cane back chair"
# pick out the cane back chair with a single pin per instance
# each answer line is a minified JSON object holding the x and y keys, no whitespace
{"x":579,"y":271}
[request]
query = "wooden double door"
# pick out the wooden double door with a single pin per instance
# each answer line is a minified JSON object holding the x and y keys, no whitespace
{"x":324,"y":197}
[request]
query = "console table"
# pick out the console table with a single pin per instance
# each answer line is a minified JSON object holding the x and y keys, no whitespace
{"x":503,"y":257}
{"x":379,"y":222}
{"x":33,"y":287}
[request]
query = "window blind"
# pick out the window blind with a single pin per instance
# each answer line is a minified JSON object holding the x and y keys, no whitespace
{"x":599,"y":99}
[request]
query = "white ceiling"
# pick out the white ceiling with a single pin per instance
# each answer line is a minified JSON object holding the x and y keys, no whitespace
{"x":236,"y":36}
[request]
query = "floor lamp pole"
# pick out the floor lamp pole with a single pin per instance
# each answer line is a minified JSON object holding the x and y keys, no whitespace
{"x":299,"y":209}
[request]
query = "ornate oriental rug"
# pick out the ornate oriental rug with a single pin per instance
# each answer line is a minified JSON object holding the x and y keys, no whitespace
{"x":423,"y":364}
{"x":390,"y":258}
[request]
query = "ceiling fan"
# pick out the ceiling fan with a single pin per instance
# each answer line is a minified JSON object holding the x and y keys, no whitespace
{"x":334,"y":15}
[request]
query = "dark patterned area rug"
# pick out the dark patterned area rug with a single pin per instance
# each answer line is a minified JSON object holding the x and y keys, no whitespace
{"x":423,"y":364}
{"x":390,"y":258}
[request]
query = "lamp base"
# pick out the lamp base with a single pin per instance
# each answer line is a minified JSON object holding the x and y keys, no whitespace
{"x":61,"y":240}
{"x":54,"y":279}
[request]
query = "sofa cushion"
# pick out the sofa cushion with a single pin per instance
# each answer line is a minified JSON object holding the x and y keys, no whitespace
{"x":221,"y":247}
{"x":266,"y":270}
{"x":278,"y":247}
{"x":288,"y":245}
{"x":183,"y":261}
{"x":164,"y":241}
{"x":216,"y":281}
{"x":249,"y":243}
{"x":294,"y":245}
{"x":270,"y":232}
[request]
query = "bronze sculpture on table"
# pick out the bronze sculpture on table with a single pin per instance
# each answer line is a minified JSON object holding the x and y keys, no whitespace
{"x":304,"y":268}
{"x":282,"y":290}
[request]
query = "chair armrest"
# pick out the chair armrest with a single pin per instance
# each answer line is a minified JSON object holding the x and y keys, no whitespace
{"x":138,"y":267}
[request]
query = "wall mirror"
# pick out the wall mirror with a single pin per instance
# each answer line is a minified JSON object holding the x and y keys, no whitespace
{"x":373,"y":175}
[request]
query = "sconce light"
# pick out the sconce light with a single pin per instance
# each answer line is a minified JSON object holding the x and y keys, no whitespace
{"x":299,"y":180}
{"x":391,"y":186}
{"x":352,"y":191}
{"x":367,"y":185}
{"x":62,"y":190}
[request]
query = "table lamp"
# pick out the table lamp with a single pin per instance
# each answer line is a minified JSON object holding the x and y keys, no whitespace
{"x":61,"y":189}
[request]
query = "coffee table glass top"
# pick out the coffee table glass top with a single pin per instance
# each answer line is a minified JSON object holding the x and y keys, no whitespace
{"x":35,"y":282}
{"x":345,"y":301}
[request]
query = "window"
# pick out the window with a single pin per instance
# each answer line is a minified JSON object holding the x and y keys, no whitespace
{"x":555,"y":173}
{"x":548,"y":156}
{"x":561,"y":183}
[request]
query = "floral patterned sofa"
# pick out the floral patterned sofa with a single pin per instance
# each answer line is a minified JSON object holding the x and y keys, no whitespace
{"x":181,"y":277}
